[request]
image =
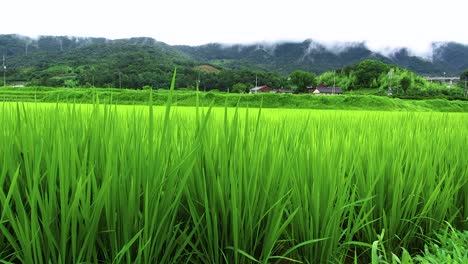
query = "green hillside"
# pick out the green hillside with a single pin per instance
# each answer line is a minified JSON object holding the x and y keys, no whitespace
{"x":139,"y":62}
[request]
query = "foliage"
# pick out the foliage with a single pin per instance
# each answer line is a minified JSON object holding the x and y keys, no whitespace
{"x":405,"y":83}
{"x":95,"y":62}
{"x":464,"y":76}
{"x":338,"y":79}
{"x":226,"y":79}
{"x":128,"y":65}
{"x":314,"y":57}
{"x":70,"y":83}
{"x":240,"y":88}
{"x":302,"y":80}
{"x":99,"y":183}
{"x":138,"y":62}
{"x":450,"y":246}
{"x":184,"y":97}
{"x":367,"y":71}
{"x":328,"y":78}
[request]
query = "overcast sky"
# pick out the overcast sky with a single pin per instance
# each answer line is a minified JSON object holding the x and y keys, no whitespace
{"x":410,"y":23}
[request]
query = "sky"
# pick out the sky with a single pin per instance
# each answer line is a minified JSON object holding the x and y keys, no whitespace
{"x":381,"y":24}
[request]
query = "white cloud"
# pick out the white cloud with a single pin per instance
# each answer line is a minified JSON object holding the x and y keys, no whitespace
{"x":406,"y":23}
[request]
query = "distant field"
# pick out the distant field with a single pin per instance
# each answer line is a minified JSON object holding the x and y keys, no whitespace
{"x":139,"y":184}
{"x":188,"y":98}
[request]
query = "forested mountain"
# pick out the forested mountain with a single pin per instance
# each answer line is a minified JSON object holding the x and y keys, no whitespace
{"x":135,"y":62}
{"x":309,"y":55}
{"x":283,"y":57}
{"x":53,"y":61}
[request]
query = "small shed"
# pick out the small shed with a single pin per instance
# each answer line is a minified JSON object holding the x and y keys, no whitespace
{"x":261,"y":89}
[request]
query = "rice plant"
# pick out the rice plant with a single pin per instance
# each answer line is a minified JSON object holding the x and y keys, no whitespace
{"x":143,"y":184}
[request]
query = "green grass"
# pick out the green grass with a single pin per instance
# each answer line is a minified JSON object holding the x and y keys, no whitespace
{"x":188,"y":98}
{"x":153,"y":184}
{"x":450,"y":246}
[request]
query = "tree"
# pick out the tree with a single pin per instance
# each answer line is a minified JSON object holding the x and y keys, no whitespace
{"x":367,"y":71}
{"x":405,"y":83}
{"x":464,"y":81}
{"x":464,"y":76}
{"x":284,"y":83}
{"x":71,"y":83}
{"x":240,"y":88}
{"x":347,"y":82}
{"x":303,"y":79}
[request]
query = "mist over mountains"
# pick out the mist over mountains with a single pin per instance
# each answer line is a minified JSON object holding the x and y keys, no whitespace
{"x":310,"y":55}
{"x":282,"y":57}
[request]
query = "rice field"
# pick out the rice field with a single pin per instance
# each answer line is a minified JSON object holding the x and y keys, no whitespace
{"x":142,"y":184}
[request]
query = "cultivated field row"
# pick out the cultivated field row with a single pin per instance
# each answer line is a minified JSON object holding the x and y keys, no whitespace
{"x":139,"y":184}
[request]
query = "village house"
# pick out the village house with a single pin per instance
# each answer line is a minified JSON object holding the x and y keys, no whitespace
{"x":261,"y":89}
{"x":322,"y":89}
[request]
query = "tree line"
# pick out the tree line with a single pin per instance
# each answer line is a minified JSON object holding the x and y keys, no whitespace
{"x":124,"y":65}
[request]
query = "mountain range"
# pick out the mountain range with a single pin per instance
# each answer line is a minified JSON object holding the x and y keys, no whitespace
{"x":281,"y":57}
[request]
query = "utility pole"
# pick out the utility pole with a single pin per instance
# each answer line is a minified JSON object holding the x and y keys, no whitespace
{"x":4,"y":71}
{"x":198,"y":81}
{"x":390,"y":91}
{"x":334,"y":74}
{"x":466,"y":89}
{"x":120,"y":80}
{"x":256,"y":81}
